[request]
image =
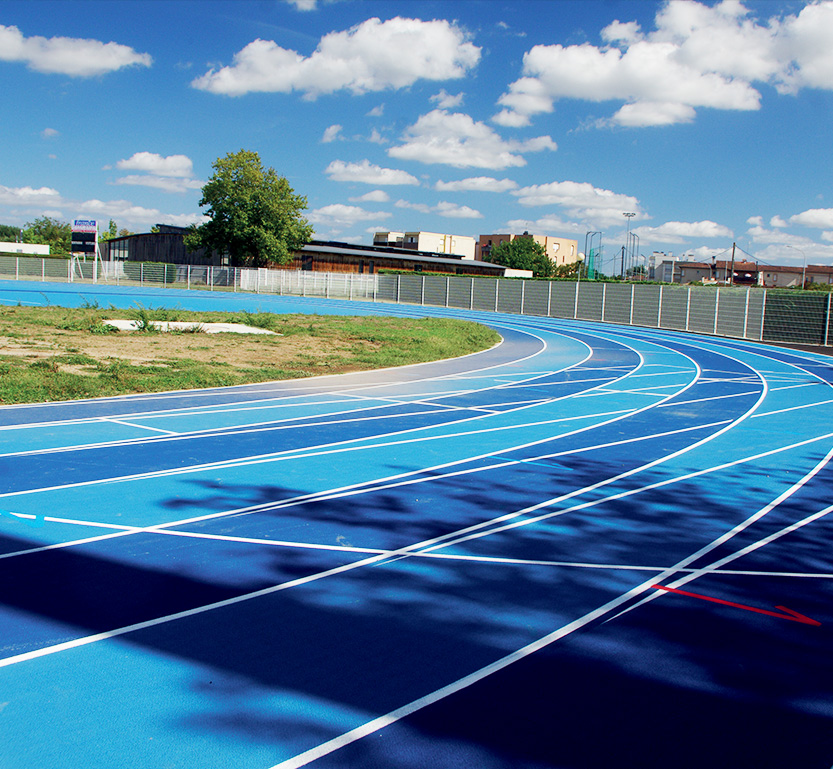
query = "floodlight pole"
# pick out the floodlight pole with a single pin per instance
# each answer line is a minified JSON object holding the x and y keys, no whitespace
{"x":629,"y":215}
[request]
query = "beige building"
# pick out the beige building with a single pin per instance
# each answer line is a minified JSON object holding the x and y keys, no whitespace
{"x":431,"y":242}
{"x":559,"y":250}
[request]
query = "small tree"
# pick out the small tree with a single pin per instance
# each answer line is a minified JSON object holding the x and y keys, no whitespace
{"x":49,"y":232}
{"x":254,"y":215}
{"x":522,"y":253}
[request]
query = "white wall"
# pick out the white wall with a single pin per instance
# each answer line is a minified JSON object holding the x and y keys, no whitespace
{"x":32,"y":249}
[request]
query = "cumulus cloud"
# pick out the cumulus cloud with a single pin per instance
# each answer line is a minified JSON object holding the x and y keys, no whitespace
{"x":446,"y":101}
{"x":49,"y":133}
{"x":372,"y":56}
{"x":581,"y":200}
{"x":71,"y":56}
{"x":376,"y":196}
{"x":820,"y":218}
{"x":453,"y":211}
{"x":477,"y":184}
{"x":331,"y":133}
{"x":173,"y":173}
{"x":678,"y":232}
{"x":367,"y":173}
{"x":164,"y":183}
{"x":443,"y":208}
{"x":151,"y":162}
{"x":696,"y":56}
{"x":30,"y":196}
{"x":341,"y":215}
{"x":455,"y":139}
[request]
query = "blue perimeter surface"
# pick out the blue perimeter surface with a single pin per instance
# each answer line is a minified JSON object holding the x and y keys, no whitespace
{"x":446,"y":565}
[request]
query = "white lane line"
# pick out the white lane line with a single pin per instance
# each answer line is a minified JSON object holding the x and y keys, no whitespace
{"x":743,"y":525}
{"x":793,"y":408}
{"x":129,"y":424}
{"x":323,"y":449}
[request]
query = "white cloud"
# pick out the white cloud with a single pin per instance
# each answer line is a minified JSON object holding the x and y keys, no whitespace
{"x":376,"y":138}
{"x":696,"y":56}
{"x":453,"y":211}
{"x":455,"y":139}
{"x":151,"y":162}
{"x":377,"y":111}
{"x":341,"y":215}
{"x":581,"y":200}
{"x":678,"y":232}
{"x":548,"y":225}
{"x":367,"y":173}
{"x":75,"y":57}
{"x":446,"y":101}
{"x":477,"y":184}
{"x":760,"y":234}
{"x":376,"y":196}
{"x":814,"y":217}
{"x":30,"y":196}
{"x":331,"y":134}
{"x":777,"y":221}
{"x":49,"y":133}
{"x":165,"y":183}
{"x":304,"y":5}
{"x":133,"y":215}
{"x":372,"y":56}
{"x":443,"y":208}
{"x":421,"y":207}
{"x":757,"y":221}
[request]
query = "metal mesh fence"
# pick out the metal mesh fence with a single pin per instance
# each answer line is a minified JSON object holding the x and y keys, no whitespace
{"x":790,"y":316}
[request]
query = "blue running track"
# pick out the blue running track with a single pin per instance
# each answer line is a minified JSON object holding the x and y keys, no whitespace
{"x":589,"y":547}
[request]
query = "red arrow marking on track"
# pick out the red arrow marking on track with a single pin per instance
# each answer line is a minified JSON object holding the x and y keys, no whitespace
{"x":789,"y":614}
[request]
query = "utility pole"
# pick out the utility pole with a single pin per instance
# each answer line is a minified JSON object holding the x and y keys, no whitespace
{"x":732,"y":273}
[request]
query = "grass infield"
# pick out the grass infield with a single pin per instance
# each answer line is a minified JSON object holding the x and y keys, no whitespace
{"x":55,"y":353}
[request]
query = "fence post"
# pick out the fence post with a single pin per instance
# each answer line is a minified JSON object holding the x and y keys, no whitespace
{"x":398,"y":284}
{"x":422,"y":292}
{"x":659,"y":309}
{"x":630,"y":313}
{"x":687,"y":307}
{"x":716,"y":308}
{"x":210,"y":277}
{"x":471,"y":295}
{"x":549,"y":301}
{"x":17,"y":268}
{"x":43,"y":270}
{"x":575,"y":303}
{"x":447,"y":288}
{"x":827,"y":320}
{"x":497,"y":292}
{"x":604,"y":300}
{"x":763,"y":314}
{"x":523,"y":295}
{"x":141,"y":273}
{"x":746,"y":312}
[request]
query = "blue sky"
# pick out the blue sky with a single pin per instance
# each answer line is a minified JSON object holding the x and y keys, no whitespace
{"x":710,"y":121}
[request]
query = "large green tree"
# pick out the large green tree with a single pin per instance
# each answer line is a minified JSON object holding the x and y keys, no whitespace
{"x":9,"y":233}
{"x":522,"y":254}
{"x":254,"y":215}
{"x":49,"y":232}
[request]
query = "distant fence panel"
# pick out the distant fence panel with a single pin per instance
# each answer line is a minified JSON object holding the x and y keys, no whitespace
{"x":536,"y":297}
{"x":588,"y":300}
{"x":800,"y":317}
{"x":675,"y":305}
{"x":484,"y":295}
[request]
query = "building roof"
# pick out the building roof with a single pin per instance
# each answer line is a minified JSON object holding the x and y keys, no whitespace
{"x":391,"y":252}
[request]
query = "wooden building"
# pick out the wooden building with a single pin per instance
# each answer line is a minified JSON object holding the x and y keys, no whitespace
{"x":167,"y":245}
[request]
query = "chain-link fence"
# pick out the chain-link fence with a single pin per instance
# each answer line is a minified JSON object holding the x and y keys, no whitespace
{"x":791,"y":316}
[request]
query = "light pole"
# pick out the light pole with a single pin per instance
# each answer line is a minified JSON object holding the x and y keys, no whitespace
{"x":629,"y":215}
{"x":804,"y":258}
